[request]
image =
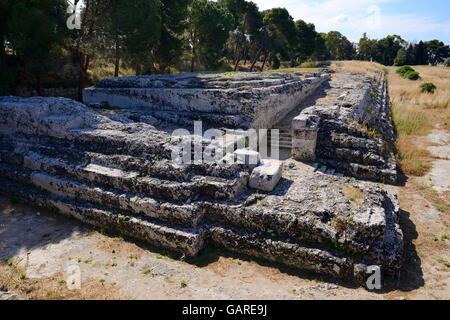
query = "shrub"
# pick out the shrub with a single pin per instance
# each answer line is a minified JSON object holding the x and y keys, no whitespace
{"x":412,"y":75}
{"x":447,"y":63}
{"x":408,"y":73}
{"x":428,"y":87}
{"x":404,"y":69}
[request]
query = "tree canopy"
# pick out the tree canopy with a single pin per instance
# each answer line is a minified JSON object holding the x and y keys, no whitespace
{"x":163,"y":36}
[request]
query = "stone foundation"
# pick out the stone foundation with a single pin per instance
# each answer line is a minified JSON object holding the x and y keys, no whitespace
{"x":243,"y":100}
{"x":111,"y":171}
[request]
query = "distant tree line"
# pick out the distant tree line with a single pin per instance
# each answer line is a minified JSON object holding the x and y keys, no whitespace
{"x":164,"y":36}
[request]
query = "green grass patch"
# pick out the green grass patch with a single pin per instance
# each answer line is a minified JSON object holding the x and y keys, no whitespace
{"x":409,"y":121}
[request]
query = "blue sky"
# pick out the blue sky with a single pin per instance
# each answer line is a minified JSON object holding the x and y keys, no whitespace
{"x":414,"y":20}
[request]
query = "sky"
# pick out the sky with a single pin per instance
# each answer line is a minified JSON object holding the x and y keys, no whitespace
{"x":414,"y":20}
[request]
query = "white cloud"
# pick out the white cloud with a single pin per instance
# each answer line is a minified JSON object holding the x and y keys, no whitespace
{"x":353,"y":18}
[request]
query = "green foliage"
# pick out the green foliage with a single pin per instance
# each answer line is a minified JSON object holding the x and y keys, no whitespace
{"x":447,"y":63}
{"x":428,"y":87}
{"x":282,"y":34}
{"x":437,"y":51}
{"x":408,"y":73}
{"x":400,"y":59}
{"x":338,"y":46}
{"x":33,"y":29}
{"x":404,"y":69}
{"x":209,"y":26}
{"x":170,"y":45}
{"x":276,"y":63}
{"x":411,"y":75}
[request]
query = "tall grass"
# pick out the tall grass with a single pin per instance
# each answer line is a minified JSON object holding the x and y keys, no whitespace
{"x":409,"y":121}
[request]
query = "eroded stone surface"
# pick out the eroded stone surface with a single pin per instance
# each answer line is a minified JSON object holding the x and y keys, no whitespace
{"x":266,"y":176}
{"x":238,"y":99}
{"x":117,"y":173}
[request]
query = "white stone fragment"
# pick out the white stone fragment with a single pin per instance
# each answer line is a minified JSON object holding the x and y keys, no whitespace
{"x":266,"y":177}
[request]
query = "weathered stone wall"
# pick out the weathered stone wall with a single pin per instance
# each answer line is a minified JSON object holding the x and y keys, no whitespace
{"x":60,"y":154}
{"x":350,"y":130}
{"x":256,"y":100}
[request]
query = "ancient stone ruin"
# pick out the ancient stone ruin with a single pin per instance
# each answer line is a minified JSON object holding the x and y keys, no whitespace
{"x":109,"y":162}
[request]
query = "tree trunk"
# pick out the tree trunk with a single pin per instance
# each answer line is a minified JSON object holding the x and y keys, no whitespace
{"x":84,"y":65}
{"x":117,"y":63}
{"x":238,"y":59}
{"x":193,"y":51}
{"x":2,"y":50}
{"x":264,"y":62}
{"x":138,"y":69}
{"x":258,"y":54}
{"x":192,"y":63}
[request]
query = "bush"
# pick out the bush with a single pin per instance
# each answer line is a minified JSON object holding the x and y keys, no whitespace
{"x":404,"y":69}
{"x":447,"y":63}
{"x":412,"y":75}
{"x":428,"y":87}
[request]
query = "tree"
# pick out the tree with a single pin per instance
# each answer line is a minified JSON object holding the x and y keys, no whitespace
{"x":247,"y":24}
{"x":420,"y":55}
{"x":33,"y":29}
{"x":400,"y":59}
{"x":282,"y":33}
{"x":132,"y":26}
{"x":306,"y":39}
{"x":170,"y":45}
{"x":388,"y":48}
{"x":208,"y":29}
{"x":320,"y":48}
{"x":409,"y":55}
{"x":338,"y":46}
{"x":437,"y":51}
{"x":86,"y":40}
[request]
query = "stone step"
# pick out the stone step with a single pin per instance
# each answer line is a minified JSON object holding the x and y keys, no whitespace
{"x":370,"y":172}
{"x":191,"y":241}
{"x":339,"y":140}
{"x":186,"y":240}
{"x":162,"y":168}
{"x":186,"y":215}
{"x":282,"y":146}
{"x":187,"y":118}
{"x":132,"y":181}
{"x":352,"y":155}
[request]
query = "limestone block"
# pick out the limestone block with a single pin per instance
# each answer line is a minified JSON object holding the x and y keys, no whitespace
{"x":266,"y":177}
{"x":304,"y":137}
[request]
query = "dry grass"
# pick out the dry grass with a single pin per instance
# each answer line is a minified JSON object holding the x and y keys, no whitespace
{"x":410,"y":120}
{"x":14,"y":279}
{"x":415,"y":113}
{"x":296,"y":69}
{"x":404,"y":91}
{"x":101,"y":69}
{"x":365,"y":67}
